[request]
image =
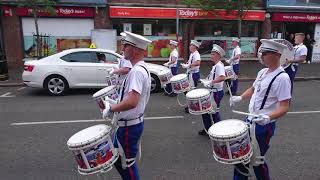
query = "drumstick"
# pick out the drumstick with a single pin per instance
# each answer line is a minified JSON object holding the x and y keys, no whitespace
{"x":244,"y":113}
{"x":229,"y":89}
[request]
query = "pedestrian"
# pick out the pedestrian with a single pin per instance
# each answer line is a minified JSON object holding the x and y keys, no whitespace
{"x":134,"y":95}
{"x":300,"y":54}
{"x":309,"y":44}
{"x":270,"y":95}
{"x":234,"y":61}
{"x":193,"y":65}
{"x":216,"y":77}
{"x":173,"y":65}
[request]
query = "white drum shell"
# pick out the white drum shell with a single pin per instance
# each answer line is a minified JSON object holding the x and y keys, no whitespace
{"x":230,"y":74}
{"x":228,"y":148}
{"x":180,"y":83}
{"x":165,"y":76}
{"x":99,"y":97}
{"x":84,"y":145}
{"x":112,"y":80}
{"x":199,"y":101}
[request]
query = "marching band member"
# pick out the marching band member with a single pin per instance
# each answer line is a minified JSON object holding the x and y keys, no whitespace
{"x":134,"y":95}
{"x":193,"y":65}
{"x":172,"y":64}
{"x":270,"y":96}
{"x":124,"y":65}
{"x":300,"y":54}
{"x":234,"y":62}
{"x":215,"y":83}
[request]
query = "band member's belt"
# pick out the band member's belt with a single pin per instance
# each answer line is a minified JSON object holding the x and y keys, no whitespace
{"x":130,"y":122}
{"x":216,"y":89}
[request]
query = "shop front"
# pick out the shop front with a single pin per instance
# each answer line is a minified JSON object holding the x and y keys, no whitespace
{"x":307,"y":23}
{"x":160,"y":25}
{"x":69,"y":27}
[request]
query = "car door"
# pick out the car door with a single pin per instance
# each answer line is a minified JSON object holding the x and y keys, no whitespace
{"x":110,"y":62}
{"x":81,"y":69}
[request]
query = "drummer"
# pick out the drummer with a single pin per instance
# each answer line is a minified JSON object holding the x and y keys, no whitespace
{"x":124,"y":65}
{"x":173,"y":65}
{"x":215,"y":83}
{"x":270,"y":96}
{"x":234,"y":61}
{"x":135,"y":93}
{"x":193,"y":65}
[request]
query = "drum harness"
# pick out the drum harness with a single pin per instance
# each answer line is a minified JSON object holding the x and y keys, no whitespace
{"x":256,"y":158}
{"x":124,"y":161}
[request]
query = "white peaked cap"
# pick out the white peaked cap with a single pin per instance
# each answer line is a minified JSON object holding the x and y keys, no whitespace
{"x":271,"y":46}
{"x":195,"y":43}
{"x":172,"y":42}
{"x":236,"y":39}
{"x":135,"y":40}
{"x":218,"y":49}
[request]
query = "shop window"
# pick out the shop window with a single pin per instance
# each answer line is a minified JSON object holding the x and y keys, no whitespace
{"x":84,"y":57}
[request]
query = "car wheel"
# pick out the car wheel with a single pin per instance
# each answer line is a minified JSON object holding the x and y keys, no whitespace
{"x":155,"y":83}
{"x":56,"y":85}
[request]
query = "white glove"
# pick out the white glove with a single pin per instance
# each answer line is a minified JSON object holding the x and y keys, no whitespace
{"x":234,"y":100}
{"x":262,"y":119}
{"x":166,"y":64}
{"x":112,"y":71}
{"x":207,"y":83}
{"x":109,"y":100}
{"x":107,"y":113}
{"x":228,"y":61}
{"x":186,"y":66}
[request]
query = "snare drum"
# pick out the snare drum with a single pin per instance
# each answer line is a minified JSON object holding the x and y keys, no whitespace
{"x":199,"y":101}
{"x":230,"y":74}
{"x":112,"y":79}
{"x":231,"y":141}
{"x":165,"y":77}
{"x":180,"y":83}
{"x":93,"y":149}
{"x":99,"y":97}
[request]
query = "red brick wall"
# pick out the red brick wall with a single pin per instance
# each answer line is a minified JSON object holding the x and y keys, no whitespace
{"x":12,"y":32}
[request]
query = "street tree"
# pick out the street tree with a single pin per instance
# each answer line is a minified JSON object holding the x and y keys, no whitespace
{"x":38,"y":8}
{"x":239,"y":8}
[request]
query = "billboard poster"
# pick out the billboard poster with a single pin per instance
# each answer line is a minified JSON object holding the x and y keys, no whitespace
{"x":292,"y":3}
{"x":316,"y":46}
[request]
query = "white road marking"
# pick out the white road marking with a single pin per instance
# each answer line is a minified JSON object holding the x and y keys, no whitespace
{"x":85,"y":121}
{"x":304,"y":112}
{"x":7,"y":95}
{"x":21,"y":88}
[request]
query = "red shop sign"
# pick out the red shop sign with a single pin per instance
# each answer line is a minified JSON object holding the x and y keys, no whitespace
{"x":60,"y":12}
{"x":7,"y":11}
{"x":295,"y":17}
{"x":184,"y":13}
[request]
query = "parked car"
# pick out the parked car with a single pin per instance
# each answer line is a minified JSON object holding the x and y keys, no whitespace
{"x":77,"y":68}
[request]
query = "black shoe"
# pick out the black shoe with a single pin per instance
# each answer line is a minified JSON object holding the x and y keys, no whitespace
{"x":186,"y":110}
{"x":202,"y":133}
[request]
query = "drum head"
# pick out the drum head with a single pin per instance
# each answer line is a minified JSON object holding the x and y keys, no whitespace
{"x":227,"y":67}
{"x":178,"y":77}
{"x":227,"y":128}
{"x":104,"y":91}
{"x":196,"y":93}
{"x":88,"y":135}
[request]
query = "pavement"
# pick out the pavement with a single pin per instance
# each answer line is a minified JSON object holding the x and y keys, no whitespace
{"x":248,"y":72}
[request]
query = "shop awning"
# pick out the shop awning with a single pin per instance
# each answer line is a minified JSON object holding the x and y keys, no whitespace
{"x":184,"y":13}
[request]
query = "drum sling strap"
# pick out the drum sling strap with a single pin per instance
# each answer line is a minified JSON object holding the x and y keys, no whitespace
{"x":124,"y":161}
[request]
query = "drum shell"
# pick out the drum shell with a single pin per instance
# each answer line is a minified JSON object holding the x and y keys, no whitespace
{"x":230,"y":74}
{"x":112,"y":94}
{"x":232,"y":149}
{"x":111,"y":80}
{"x":199,"y":105}
{"x":165,"y":77}
{"x":95,"y":155}
{"x":180,"y":85}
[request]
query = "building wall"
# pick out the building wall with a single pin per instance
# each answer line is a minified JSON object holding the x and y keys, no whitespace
{"x":13,"y":40}
{"x":102,"y":19}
